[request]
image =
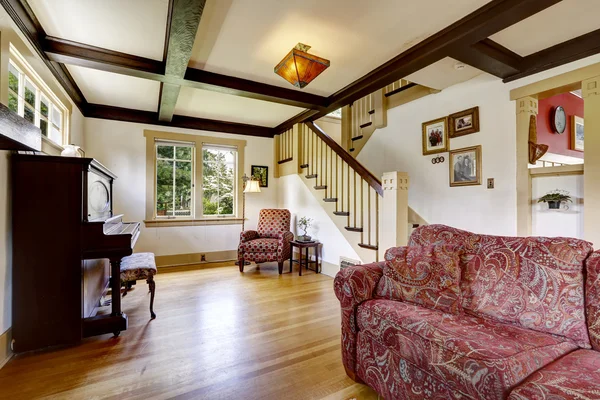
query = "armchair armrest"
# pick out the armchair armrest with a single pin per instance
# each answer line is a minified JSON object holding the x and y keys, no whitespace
{"x":283,"y":245}
{"x":248,"y":235}
{"x":352,"y":286}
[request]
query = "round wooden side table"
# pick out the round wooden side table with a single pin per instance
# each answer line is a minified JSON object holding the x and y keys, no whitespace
{"x":305,"y":245}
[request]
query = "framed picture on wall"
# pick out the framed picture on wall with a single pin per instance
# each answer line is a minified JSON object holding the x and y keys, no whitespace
{"x":464,"y":122}
{"x":465,"y":166}
{"x":577,"y":134}
{"x":435,"y":136}
{"x":261,"y":173}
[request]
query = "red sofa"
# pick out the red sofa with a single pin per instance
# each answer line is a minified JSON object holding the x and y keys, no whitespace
{"x":528,"y":328}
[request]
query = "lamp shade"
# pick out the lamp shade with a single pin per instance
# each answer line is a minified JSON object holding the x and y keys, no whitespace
{"x":252,"y":186}
{"x":299,"y":68}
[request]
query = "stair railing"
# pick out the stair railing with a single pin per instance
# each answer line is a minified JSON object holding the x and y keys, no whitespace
{"x":347,"y":183}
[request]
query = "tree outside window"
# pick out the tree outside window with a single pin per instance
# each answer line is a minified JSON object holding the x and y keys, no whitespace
{"x":174,"y":180}
{"x":218,"y":181}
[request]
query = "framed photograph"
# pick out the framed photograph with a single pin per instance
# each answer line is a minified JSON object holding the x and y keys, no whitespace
{"x":261,"y":173}
{"x":577,"y":134}
{"x":435,"y":136}
{"x":464,"y":122}
{"x":465,"y":166}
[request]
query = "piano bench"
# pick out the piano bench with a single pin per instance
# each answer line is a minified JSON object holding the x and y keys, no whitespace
{"x":136,"y":267}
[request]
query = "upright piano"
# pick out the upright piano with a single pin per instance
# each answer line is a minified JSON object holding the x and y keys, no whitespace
{"x":67,"y":249}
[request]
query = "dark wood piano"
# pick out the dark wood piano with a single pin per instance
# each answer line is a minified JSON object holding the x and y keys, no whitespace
{"x":67,"y":244}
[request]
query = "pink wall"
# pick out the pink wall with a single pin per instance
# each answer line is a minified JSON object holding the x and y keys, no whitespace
{"x":558,"y":144}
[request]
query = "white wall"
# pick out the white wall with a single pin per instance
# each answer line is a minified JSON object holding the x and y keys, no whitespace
{"x":332,"y":127}
{"x":295,"y":196}
{"x":121,"y":147}
{"x":398,"y":147}
{"x":563,"y":222}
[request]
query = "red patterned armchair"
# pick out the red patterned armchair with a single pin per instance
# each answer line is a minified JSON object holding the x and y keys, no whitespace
{"x":270,"y":241}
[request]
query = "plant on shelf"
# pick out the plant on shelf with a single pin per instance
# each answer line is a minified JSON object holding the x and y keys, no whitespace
{"x":555,"y":198}
{"x":304,"y":223}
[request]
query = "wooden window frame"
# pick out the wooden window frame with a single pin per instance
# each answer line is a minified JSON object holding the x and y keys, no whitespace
{"x":26,"y":72}
{"x":197,"y":219}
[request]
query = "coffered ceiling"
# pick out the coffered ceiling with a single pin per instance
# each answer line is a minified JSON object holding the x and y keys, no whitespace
{"x":110,"y":55}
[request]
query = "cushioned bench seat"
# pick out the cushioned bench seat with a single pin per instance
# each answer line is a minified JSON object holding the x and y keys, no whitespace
{"x":136,"y":267}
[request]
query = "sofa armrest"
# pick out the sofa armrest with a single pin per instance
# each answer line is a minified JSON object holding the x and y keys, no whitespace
{"x":248,"y":235}
{"x":352,"y":286}
{"x":592,"y":298}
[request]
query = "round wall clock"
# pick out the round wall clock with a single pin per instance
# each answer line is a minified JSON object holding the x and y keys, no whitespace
{"x":559,"y":120}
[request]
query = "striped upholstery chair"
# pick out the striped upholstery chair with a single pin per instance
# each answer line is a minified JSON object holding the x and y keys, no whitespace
{"x":270,"y":241}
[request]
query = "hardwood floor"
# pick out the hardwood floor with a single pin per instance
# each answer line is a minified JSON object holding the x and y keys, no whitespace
{"x":219,"y":334}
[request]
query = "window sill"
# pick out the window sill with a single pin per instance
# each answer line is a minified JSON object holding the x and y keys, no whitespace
{"x":50,"y":147}
{"x":161,"y":223}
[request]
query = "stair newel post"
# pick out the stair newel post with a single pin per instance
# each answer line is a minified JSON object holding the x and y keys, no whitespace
{"x":393,"y":230}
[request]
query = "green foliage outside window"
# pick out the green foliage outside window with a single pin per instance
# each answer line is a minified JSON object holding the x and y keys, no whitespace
{"x":218,"y":181}
{"x":174,"y":176}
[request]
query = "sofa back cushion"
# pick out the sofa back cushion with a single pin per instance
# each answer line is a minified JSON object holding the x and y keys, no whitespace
{"x":272,"y":221}
{"x":534,"y":282}
{"x":425,"y":275}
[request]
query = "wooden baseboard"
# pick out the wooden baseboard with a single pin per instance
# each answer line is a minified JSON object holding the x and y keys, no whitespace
{"x":5,"y":351}
{"x":177,"y":260}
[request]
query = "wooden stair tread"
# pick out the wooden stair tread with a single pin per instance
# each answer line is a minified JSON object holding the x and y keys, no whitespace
{"x":354,"y":229}
{"x":320,"y":187}
{"x":357,"y":137}
{"x":330,"y":199}
{"x":366,"y":124}
{"x":368,"y":246}
{"x":304,"y":166}
{"x":311,"y":176}
{"x":342,"y":213}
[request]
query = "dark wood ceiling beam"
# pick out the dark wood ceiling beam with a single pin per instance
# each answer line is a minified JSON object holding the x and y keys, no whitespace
{"x":490,"y":57}
{"x":84,"y":55}
{"x":73,"y":53}
{"x":475,"y":27}
{"x":254,"y":90}
{"x":23,"y":17}
{"x":182,"y":26}
{"x":560,"y":54}
{"x":178,"y":121}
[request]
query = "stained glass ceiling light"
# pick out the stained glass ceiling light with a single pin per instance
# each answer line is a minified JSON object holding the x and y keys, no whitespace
{"x":299,"y":68}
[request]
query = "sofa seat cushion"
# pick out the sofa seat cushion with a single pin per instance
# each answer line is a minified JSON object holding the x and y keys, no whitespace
{"x":265,"y":245}
{"x":481,"y":358}
{"x":533,"y":282}
{"x":425,"y":275}
{"x":574,"y":376}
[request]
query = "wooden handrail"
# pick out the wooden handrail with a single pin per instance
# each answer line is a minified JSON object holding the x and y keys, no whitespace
{"x":351,"y":161}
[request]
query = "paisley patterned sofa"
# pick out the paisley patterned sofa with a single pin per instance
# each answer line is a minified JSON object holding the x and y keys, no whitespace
{"x":528,"y":325}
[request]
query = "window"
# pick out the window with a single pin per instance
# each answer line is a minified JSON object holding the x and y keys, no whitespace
{"x":192,"y":179}
{"x":218,"y":180}
{"x":174,"y":179}
{"x":31,"y":98}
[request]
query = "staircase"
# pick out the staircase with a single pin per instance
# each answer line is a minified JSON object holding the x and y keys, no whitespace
{"x":367,"y":114}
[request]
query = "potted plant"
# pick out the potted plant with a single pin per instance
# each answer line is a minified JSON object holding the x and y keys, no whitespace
{"x":555,"y":198}
{"x":304,"y":223}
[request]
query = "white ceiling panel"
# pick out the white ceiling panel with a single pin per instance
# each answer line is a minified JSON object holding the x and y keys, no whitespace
{"x":130,"y":26}
{"x":443,"y":74}
{"x":116,"y":90}
{"x":355,"y":35}
{"x":559,"y":23}
{"x":213,"y":105}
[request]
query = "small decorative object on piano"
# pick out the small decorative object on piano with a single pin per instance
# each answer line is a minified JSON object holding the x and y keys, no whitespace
{"x":304,"y":223}
{"x":71,"y":151}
